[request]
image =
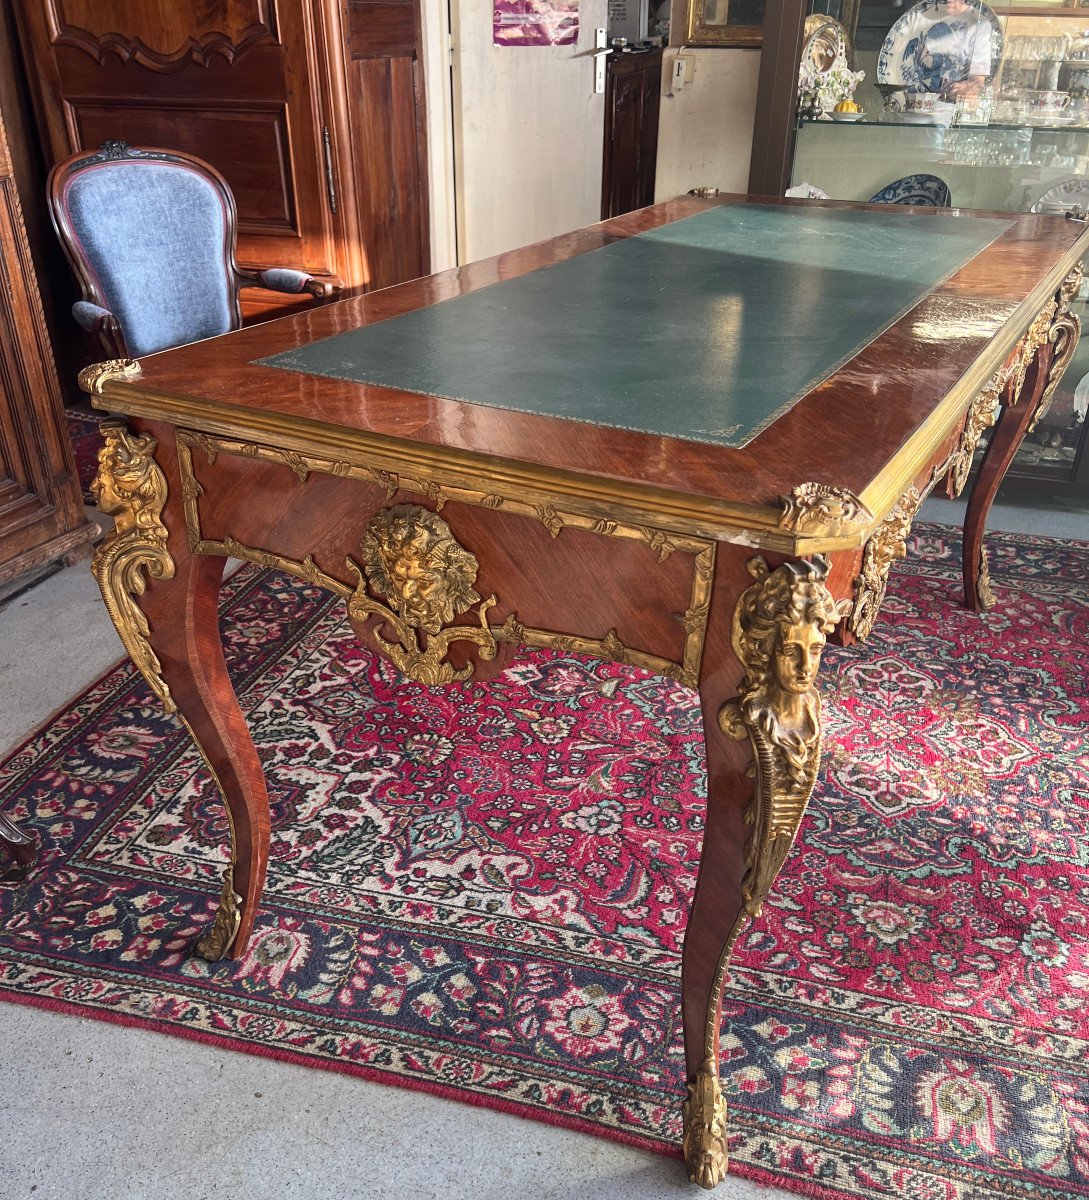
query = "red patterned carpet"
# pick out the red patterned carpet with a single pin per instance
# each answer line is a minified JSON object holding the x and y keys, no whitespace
{"x":86,"y":441}
{"x":481,"y":891}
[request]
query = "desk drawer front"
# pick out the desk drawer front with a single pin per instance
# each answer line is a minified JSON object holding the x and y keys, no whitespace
{"x":594,"y":585}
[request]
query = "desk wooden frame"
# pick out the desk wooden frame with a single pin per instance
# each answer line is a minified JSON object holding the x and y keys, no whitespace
{"x":732,"y":598}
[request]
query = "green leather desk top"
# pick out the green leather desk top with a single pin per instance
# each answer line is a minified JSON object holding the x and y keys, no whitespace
{"x":707,"y":329}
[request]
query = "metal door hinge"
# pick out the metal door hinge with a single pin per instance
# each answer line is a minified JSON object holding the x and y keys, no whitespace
{"x":330,"y":186}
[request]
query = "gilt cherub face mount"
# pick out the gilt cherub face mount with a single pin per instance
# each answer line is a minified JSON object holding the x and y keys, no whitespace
{"x":411,"y":559}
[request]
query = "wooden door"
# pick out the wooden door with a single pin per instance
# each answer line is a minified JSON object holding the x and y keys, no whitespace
{"x":632,"y":100}
{"x":236,"y":82}
{"x":41,"y":508}
{"x":527,"y":133}
{"x":384,"y":83}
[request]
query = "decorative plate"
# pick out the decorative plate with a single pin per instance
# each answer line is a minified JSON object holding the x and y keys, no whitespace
{"x":1063,"y":196}
{"x":926,"y":190}
{"x":824,"y":70}
{"x":846,"y":116}
{"x":824,"y":42}
{"x":935,"y":44}
{"x":806,"y":191}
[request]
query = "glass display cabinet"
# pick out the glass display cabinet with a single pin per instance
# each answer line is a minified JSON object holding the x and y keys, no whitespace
{"x":960,"y":104}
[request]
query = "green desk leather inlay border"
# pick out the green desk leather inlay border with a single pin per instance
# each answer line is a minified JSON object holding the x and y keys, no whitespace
{"x":707,"y":329}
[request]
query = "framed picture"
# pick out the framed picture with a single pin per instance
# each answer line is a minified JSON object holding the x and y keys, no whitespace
{"x":725,"y":23}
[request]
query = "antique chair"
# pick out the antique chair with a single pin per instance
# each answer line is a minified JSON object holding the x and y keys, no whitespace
{"x":150,"y":235}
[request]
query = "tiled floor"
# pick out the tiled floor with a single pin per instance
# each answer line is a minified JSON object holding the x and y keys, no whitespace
{"x":90,"y":1111}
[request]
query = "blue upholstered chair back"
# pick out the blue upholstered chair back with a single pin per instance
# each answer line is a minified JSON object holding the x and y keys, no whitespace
{"x":156,"y":236}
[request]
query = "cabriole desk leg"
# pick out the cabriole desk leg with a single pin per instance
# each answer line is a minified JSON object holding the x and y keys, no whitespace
{"x":779,"y":627}
{"x":1018,"y":412}
{"x":1027,"y":397}
{"x":164,"y":604}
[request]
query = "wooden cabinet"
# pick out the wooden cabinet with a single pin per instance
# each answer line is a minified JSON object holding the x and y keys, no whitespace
{"x":632,"y":98}
{"x":313,"y":110}
{"x":41,"y":506}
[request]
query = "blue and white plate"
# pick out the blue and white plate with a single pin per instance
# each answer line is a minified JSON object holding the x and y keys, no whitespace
{"x":937,"y":43}
{"x":926,"y":190}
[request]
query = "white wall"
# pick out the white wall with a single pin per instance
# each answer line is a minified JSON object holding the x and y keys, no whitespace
{"x":705,"y":130}
{"x":440,"y":133}
{"x":528,"y":133}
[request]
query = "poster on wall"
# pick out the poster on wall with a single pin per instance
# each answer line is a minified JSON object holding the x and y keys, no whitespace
{"x":535,"y":22}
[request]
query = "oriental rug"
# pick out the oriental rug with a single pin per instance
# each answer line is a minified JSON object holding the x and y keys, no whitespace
{"x":480,"y":891}
{"x":82,"y":424}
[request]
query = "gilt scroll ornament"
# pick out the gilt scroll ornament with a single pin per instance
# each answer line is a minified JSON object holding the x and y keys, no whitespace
{"x":706,"y":1152}
{"x":412,"y":560}
{"x":93,"y":377}
{"x":1036,"y":337}
{"x":982,"y":414}
{"x":131,"y":488}
{"x":217,"y":942}
{"x":1063,"y":334}
{"x":985,"y":596}
{"x":888,"y":543}
{"x":816,"y":510}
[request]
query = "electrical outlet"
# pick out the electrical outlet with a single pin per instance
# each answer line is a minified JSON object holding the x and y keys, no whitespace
{"x":677,"y":82}
{"x":682,"y":68}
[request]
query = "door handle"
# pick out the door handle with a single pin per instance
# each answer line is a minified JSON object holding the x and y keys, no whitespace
{"x":330,"y":185}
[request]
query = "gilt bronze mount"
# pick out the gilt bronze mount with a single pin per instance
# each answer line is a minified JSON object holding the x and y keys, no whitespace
{"x":412,"y":560}
{"x":131,"y":488}
{"x":780,"y":627}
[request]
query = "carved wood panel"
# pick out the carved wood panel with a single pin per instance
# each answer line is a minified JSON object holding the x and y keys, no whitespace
{"x":261,"y":181}
{"x":41,"y":509}
{"x":236,"y":82}
{"x":313,"y":110}
{"x":632,"y":99}
{"x":161,"y":37}
{"x":391,"y":190}
{"x":388,"y":137}
{"x":382,"y":27}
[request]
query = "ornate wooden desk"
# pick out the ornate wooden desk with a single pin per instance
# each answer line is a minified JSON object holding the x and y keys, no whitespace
{"x":692,"y":438}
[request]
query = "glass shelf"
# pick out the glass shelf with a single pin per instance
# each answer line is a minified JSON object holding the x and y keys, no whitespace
{"x":963,"y":127}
